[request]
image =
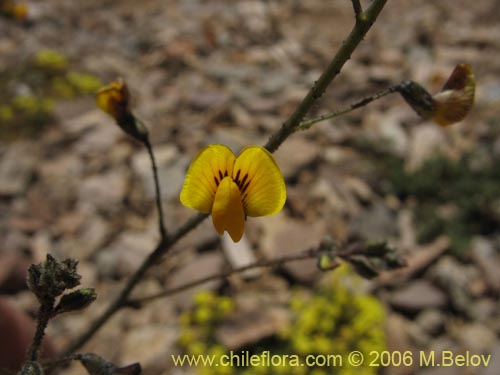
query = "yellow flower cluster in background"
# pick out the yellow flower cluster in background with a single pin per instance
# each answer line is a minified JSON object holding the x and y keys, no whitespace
{"x":337,"y":320}
{"x":48,"y":76}
{"x":334,"y":320}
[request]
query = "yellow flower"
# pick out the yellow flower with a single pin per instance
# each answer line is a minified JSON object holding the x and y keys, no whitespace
{"x":114,"y":99}
{"x":232,"y":188}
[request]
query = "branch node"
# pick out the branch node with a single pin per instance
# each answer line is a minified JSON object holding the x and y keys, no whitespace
{"x":358,"y":11}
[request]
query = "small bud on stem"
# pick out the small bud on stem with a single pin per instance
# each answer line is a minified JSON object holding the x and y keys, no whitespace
{"x":77,"y":300}
{"x":114,"y":99}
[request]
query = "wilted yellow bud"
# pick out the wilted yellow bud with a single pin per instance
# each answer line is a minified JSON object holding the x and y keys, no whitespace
{"x":11,"y":9}
{"x":114,"y":99}
{"x":448,"y":106}
{"x":455,"y":99}
{"x":20,"y":11}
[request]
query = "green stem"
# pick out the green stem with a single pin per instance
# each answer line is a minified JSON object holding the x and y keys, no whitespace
{"x":308,"y":254}
{"x":304,"y":125}
{"x":44,"y":314}
{"x":361,"y":27}
{"x":358,"y":10}
{"x":161,"y":221}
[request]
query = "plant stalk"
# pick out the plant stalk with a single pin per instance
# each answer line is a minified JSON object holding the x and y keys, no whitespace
{"x":44,"y":314}
{"x":161,"y":220}
{"x":304,"y":125}
{"x":161,"y":250}
{"x":361,"y":27}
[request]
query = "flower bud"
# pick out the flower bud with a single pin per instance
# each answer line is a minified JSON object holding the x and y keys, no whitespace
{"x":455,"y":99}
{"x":51,"y":278}
{"x":20,"y":11}
{"x":114,"y":99}
{"x":326,"y":262}
{"x":76,"y":300}
{"x":327,"y":253}
{"x":13,"y":10}
{"x":448,"y":106}
{"x":418,"y":98}
{"x":96,"y":365}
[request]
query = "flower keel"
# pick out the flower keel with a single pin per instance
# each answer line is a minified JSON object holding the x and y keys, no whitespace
{"x":227,"y":212}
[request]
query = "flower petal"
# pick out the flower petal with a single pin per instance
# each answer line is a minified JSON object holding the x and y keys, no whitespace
{"x":114,"y":99}
{"x":457,"y":97}
{"x":452,"y":106}
{"x":227,"y":211}
{"x":204,"y":175}
{"x":260,"y":181}
{"x":461,"y":78}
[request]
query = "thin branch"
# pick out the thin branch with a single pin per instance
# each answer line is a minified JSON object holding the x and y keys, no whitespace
{"x":346,"y":253}
{"x":264,"y":263}
{"x":161,"y":221}
{"x":357,"y":34}
{"x":161,"y":250}
{"x":361,"y":103}
{"x":44,"y":314}
{"x":355,"y":37}
{"x":358,"y":10}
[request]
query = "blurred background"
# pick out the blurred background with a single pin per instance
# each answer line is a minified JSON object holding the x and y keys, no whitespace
{"x":202,"y":72}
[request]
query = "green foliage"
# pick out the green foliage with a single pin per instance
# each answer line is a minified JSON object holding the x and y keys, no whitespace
{"x":458,"y":198}
{"x":44,"y":78}
{"x":50,"y":60}
{"x":23,"y":116}
{"x":334,"y":321}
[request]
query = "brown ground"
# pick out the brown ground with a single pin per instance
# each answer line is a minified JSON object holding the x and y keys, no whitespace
{"x":231,"y":72}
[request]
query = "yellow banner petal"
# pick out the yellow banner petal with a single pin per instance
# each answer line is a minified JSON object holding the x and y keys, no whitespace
{"x":205,"y":173}
{"x":260,"y":181}
{"x":227,"y":211}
